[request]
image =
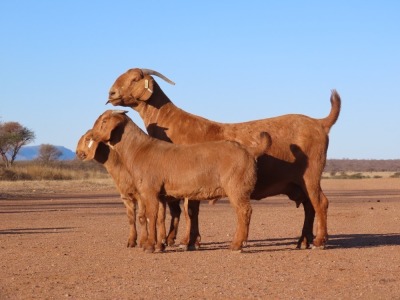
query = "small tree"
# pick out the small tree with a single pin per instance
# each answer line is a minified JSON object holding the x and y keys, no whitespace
{"x":12,"y":137}
{"x":48,"y":153}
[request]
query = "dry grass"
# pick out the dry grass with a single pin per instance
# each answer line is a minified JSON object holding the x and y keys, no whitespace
{"x":29,"y":188}
{"x":67,"y":170}
{"x":365,"y":184}
{"x":12,"y":189}
{"x":360,"y":175}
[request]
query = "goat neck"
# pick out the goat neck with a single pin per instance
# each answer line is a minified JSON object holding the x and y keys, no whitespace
{"x":130,"y":140}
{"x":158,"y":104}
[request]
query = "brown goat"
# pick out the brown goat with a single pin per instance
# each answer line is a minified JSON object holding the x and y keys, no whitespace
{"x":292,"y":166}
{"x":199,"y":172}
{"x":88,"y":149}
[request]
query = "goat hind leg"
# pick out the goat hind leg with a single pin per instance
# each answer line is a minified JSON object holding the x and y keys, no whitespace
{"x":184,"y":243}
{"x":175,"y":212}
{"x":307,"y":235}
{"x":195,"y":238}
{"x":320,"y":204}
{"x":243,"y":213}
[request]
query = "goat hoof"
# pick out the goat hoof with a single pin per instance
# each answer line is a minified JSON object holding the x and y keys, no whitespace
{"x":235,"y":248}
{"x":148,"y":249}
{"x":237,"y":251}
{"x":160,"y":248}
{"x":183,"y":247}
{"x":319,"y":243}
{"x":322,"y":247}
{"x":197,"y":246}
{"x":193,"y":247}
{"x":131,"y":244}
{"x":306,"y":246}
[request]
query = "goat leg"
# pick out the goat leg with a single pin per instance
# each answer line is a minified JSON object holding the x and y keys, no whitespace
{"x":243,"y":212}
{"x":192,"y":238}
{"x":184,"y":243}
{"x":307,"y":236}
{"x":130,"y":206}
{"x":321,"y":210}
{"x":161,"y":233}
{"x":143,"y":225}
{"x":151,"y":218}
{"x":175,"y":212}
{"x":195,"y":238}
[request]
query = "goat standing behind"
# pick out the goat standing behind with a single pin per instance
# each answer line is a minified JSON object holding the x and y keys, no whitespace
{"x":292,"y":166}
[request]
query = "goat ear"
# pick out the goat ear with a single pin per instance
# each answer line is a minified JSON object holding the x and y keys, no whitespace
{"x":143,"y":89}
{"x":91,"y":149}
{"x":110,"y":125}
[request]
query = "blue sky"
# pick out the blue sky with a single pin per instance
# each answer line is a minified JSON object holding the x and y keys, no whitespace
{"x":232,"y":61}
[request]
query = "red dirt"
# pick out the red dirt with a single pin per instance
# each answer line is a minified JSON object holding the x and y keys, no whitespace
{"x":72,"y":245}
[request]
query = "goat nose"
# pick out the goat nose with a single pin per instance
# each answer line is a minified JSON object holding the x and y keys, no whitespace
{"x":111,"y":93}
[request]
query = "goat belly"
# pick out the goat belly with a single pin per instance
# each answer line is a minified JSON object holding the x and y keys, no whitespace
{"x":194,"y":192}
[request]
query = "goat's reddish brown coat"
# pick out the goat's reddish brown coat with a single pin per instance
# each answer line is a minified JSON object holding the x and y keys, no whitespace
{"x":293,"y":165}
{"x":88,"y":149}
{"x":198,"y":171}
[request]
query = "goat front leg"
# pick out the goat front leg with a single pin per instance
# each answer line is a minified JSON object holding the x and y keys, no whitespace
{"x":184,"y":243}
{"x":130,"y":205}
{"x":161,"y":232}
{"x":151,"y":212}
{"x":143,"y":224}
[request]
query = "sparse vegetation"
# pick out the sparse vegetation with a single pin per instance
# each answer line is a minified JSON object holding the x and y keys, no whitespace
{"x":396,"y":175}
{"x":12,"y":137}
{"x":344,"y":175}
{"x":77,"y":170}
{"x":57,"y":170}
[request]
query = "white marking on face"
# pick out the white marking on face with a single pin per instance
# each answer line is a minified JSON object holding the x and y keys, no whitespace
{"x":90,"y":143}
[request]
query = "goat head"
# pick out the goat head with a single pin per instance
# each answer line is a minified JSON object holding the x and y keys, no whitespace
{"x":133,"y":86}
{"x":106,"y":123}
{"x":86,"y":148}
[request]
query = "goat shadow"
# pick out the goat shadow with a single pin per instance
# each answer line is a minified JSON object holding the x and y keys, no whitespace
{"x":47,"y":230}
{"x":339,"y":241}
{"x":160,"y":132}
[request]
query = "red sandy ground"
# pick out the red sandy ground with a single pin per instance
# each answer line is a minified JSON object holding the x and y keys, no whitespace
{"x":69,"y":242}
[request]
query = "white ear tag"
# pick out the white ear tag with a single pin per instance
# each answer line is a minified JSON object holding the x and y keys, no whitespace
{"x":90,"y":143}
{"x":146,"y":85}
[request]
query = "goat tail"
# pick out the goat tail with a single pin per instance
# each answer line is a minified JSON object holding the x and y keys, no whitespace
{"x":263,"y":144}
{"x":331,"y":119}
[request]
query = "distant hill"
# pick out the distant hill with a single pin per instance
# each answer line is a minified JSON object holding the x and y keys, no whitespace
{"x":32,"y":152}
